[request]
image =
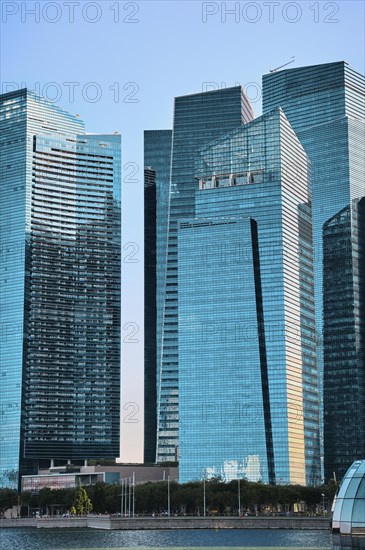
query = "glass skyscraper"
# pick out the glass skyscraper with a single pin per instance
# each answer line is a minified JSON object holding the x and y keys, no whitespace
{"x":344,"y":338}
{"x":60,"y":288}
{"x":248,"y":392}
{"x":150,"y":313}
{"x":157,"y":153}
{"x":198,"y":118}
{"x":325,"y":106}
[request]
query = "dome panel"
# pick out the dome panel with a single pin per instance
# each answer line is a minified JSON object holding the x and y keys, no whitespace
{"x":349,"y":508}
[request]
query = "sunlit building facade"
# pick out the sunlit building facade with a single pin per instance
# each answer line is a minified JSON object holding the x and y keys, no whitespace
{"x":248,"y":391}
{"x":325,"y":105}
{"x":198,"y":118}
{"x":60,"y":288}
{"x":157,"y":159}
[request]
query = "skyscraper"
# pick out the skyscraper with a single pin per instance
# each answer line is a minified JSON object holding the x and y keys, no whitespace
{"x":60,"y":288}
{"x":325,"y":106}
{"x":157,"y":153}
{"x":198,"y":118}
{"x":248,"y":394}
{"x":344,"y":338}
{"x":150,"y":314}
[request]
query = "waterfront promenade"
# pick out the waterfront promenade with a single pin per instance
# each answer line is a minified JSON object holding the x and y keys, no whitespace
{"x":154,"y":523}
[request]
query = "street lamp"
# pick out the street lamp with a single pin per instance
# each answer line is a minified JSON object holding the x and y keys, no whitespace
{"x":323,"y":497}
{"x":129,"y":497}
{"x":168,"y":496}
{"x":204,"y":498}
{"x":121,"y":500}
{"x":125,"y":496}
{"x":239,"y":497}
{"x":133,"y":493}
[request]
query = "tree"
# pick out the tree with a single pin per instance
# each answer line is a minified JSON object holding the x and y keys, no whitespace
{"x":112,"y":498}
{"x":98,"y":497}
{"x":46,"y":498}
{"x":24,"y":501}
{"x":329,"y":490}
{"x":63,"y":497}
{"x":8,"y":499}
{"x":82,"y":503}
{"x":312,"y":497}
{"x":25,"y":498}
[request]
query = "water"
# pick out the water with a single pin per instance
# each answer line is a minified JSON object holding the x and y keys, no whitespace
{"x":90,"y":539}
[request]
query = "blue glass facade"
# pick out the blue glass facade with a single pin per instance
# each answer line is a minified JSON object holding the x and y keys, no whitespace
{"x":222,"y":417}
{"x":60,"y":287}
{"x":157,"y":159}
{"x":248,"y":395}
{"x":198,"y":118}
{"x":325,"y":106}
{"x":344,"y":338}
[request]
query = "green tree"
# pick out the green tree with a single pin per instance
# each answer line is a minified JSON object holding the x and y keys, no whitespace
{"x":25,"y":498}
{"x":329,"y":490}
{"x":46,"y":498}
{"x":82,"y":503}
{"x":64,"y":497}
{"x":312,"y":497}
{"x":24,"y":501}
{"x":98,"y":497}
{"x":8,"y":499}
{"x":112,"y":498}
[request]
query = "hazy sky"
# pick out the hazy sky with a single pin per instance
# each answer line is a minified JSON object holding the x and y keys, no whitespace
{"x":120,"y":64}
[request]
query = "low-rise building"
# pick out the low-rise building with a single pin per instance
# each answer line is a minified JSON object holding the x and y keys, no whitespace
{"x":68,"y":476}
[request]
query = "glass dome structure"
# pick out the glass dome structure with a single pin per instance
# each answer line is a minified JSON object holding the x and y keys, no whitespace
{"x":349,"y":505}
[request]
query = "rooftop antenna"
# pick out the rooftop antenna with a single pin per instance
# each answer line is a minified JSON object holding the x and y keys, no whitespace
{"x":282,"y":66}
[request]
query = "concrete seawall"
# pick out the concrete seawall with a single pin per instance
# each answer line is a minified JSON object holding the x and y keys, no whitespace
{"x":143,"y":523}
{"x":210,"y":523}
{"x":23,"y":522}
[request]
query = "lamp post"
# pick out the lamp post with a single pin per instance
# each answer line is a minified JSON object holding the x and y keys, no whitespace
{"x":204,"y":496}
{"x":239,"y":498}
{"x":323,"y":497}
{"x":121,"y":500}
{"x":168,"y":496}
{"x":204,"y":500}
{"x":129,"y":497}
{"x":125,"y":497}
{"x":133,"y":493}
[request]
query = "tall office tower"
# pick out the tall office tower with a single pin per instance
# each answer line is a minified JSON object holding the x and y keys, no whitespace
{"x":344,"y":338}
{"x":60,"y":288}
{"x":325,"y":106}
{"x":248,"y":389}
{"x":198,"y":118}
{"x":157,"y":153}
{"x":150,"y":312}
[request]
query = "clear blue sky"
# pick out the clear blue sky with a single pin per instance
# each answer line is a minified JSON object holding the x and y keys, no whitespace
{"x":157,"y":50}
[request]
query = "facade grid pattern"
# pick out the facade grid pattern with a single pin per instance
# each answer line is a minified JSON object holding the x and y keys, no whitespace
{"x":60,"y":287}
{"x":259,"y":172}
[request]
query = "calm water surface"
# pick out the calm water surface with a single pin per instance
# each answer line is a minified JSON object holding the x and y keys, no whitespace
{"x":90,"y":539}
